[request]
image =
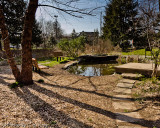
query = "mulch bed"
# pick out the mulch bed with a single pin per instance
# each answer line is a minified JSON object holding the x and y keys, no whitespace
{"x":63,"y":100}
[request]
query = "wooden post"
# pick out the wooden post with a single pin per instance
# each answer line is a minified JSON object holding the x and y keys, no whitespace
{"x":145,"y":52}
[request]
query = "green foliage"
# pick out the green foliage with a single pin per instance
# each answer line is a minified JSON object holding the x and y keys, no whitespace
{"x":53,"y":61}
{"x":36,"y":34}
{"x":137,"y":52}
{"x":16,"y":84}
{"x":119,"y":21}
{"x":154,"y":80}
{"x":14,"y":12}
{"x":126,"y":110}
{"x":72,"y":47}
{"x":136,"y":95}
{"x":14,"y":18}
{"x":53,"y":123}
{"x":40,"y":81}
{"x":51,"y":64}
{"x":52,"y":40}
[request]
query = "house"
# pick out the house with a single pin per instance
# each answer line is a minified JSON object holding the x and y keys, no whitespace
{"x":92,"y":37}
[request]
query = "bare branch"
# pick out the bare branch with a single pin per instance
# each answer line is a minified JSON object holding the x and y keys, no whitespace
{"x":70,"y":12}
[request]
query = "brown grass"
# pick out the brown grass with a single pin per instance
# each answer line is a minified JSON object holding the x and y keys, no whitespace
{"x":102,"y":47}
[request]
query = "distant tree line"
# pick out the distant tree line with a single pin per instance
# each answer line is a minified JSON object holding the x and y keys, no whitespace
{"x":126,"y":20}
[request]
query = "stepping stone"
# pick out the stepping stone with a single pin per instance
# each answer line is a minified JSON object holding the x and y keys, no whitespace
{"x":124,"y":106}
{"x":131,"y":117}
{"x":124,"y":85}
{"x":122,"y":98}
{"x":131,"y":76}
{"x":122,"y":90}
{"x":128,"y":81}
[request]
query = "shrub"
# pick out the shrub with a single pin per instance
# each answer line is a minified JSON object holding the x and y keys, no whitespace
{"x":102,"y":47}
{"x":72,"y":47}
{"x":40,"y":81}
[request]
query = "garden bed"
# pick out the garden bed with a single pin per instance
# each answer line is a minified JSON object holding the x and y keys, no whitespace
{"x":147,"y":98}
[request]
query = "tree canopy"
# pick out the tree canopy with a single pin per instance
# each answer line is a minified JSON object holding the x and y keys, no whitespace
{"x":36,"y":34}
{"x":14,"y":18}
{"x":119,"y":20}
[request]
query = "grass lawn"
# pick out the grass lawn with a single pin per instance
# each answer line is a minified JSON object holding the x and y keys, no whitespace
{"x":137,"y":52}
{"x":53,"y":61}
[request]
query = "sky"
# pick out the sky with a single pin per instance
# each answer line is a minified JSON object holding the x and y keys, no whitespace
{"x":68,"y":23}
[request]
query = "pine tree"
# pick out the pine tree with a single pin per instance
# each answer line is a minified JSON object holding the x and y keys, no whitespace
{"x":57,"y":29}
{"x":119,"y":21}
{"x":36,"y":34}
{"x":74,"y":34}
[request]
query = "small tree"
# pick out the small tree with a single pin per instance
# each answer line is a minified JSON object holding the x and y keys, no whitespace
{"x":52,"y":41}
{"x":72,"y":47}
{"x":150,"y":22}
{"x":74,"y":34}
{"x":57,"y":29}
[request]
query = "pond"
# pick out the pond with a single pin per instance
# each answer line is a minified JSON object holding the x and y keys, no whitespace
{"x":92,"y":69}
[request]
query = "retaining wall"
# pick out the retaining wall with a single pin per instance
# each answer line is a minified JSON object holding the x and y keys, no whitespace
{"x":36,"y":53}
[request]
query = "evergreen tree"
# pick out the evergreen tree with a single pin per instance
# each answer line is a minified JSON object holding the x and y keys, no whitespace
{"x":14,"y":16}
{"x":119,"y":21}
{"x":57,"y":29}
{"x":74,"y":34}
{"x":36,"y":34}
{"x":52,"y":40}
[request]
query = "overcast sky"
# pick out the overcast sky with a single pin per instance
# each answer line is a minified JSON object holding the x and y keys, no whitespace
{"x":68,"y":23}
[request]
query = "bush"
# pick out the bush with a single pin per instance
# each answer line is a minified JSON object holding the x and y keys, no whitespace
{"x":72,"y":47}
{"x":40,"y":81}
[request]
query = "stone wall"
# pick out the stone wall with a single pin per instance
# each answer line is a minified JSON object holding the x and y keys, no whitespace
{"x":36,"y":53}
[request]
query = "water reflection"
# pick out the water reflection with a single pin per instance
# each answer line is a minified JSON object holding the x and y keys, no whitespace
{"x":93,"y":70}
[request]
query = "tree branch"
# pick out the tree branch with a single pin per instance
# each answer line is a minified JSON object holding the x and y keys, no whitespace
{"x":69,"y":11}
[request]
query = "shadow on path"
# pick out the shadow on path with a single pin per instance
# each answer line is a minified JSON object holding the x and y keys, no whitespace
{"x":142,"y":122}
{"x":46,"y":111}
{"x":49,"y":113}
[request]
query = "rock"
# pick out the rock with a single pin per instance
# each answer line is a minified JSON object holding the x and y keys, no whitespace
{"x":71,"y":63}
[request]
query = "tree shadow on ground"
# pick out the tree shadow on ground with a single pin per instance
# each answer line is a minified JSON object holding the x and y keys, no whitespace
{"x":3,"y":77}
{"x":41,"y":107}
{"x":42,"y":73}
{"x":86,"y":91}
{"x":121,"y":116}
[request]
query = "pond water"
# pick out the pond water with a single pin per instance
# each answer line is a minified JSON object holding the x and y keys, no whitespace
{"x":92,"y":70}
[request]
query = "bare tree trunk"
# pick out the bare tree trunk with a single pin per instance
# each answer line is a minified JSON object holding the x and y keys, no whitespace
{"x":26,"y":73}
{"x":5,"y":38}
{"x":159,"y":6}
